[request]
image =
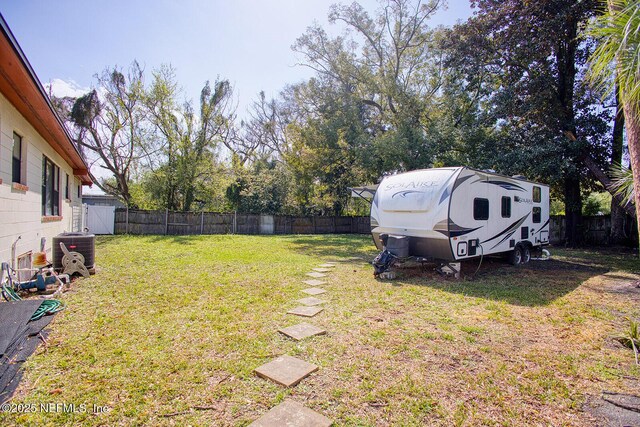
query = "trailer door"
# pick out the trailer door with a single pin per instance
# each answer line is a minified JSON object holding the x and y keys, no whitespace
{"x":481,"y":214}
{"x":469,"y":214}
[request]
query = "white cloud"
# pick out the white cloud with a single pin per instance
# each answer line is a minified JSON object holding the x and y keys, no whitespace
{"x":61,"y":88}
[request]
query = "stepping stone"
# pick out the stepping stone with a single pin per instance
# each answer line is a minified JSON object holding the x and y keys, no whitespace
{"x":291,"y":414}
{"x":305,"y":311}
{"x":286,"y":370}
{"x":310,"y":301}
{"x":316,"y":275}
{"x":314,"y":291}
{"x":327,"y":265}
{"x":322,"y":270}
{"x":301,"y":331}
{"x":314,"y":282}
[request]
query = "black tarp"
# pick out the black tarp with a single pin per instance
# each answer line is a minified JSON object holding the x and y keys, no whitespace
{"x":18,"y":340}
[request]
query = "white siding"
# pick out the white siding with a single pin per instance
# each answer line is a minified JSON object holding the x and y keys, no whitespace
{"x":20,"y":211}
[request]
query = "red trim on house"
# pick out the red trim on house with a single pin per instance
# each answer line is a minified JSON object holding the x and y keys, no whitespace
{"x":19,"y":187}
{"x":51,"y":218}
{"x":20,"y":85}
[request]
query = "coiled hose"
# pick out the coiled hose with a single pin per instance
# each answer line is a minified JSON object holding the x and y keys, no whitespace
{"x":48,"y":306}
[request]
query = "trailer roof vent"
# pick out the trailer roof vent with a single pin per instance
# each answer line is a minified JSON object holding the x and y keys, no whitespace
{"x":489,"y":170}
{"x":519,"y":177}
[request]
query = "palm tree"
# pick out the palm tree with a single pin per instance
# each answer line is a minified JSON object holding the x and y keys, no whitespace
{"x":617,"y":60}
{"x":622,"y":182}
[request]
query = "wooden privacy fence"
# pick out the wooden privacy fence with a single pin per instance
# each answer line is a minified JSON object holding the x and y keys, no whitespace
{"x":595,"y":229}
{"x":129,"y":221}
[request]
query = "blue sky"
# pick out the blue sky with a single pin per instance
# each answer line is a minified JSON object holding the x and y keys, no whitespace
{"x":247,"y":42}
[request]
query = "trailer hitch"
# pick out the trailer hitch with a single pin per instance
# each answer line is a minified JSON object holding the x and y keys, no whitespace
{"x":383,"y":262}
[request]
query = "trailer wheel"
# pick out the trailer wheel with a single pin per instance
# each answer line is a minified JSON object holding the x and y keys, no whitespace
{"x":526,"y":254}
{"x":515,"y":256}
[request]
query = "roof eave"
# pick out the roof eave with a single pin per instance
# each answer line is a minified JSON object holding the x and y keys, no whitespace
{"x":21,"y":86}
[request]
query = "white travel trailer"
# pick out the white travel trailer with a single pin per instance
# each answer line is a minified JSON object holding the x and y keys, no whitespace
{"x":452,"y":214}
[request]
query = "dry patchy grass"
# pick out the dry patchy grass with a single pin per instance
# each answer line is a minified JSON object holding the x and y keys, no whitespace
{"x":169,"y":330}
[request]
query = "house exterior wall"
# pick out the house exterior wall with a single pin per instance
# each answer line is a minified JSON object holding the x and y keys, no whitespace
{"x":21,"y":211}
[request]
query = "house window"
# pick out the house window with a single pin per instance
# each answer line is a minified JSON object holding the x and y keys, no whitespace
{"x":537,"y":214}
{"x":16,"y":169}
{"x":79,"y":192}
{"x":536,"y":194}
{"x":481,"y":209}
{"x":50,"y":188}
{"x":506,"y":207}
{"x":67,"y":192}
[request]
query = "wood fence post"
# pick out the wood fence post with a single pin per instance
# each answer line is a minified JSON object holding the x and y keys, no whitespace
{"x":202,"y":222}
{"x":166,"y":221}
{"x":126,"y":226}
{"x":235,"y":221}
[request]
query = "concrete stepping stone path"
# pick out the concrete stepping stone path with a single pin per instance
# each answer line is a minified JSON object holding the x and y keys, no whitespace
{"x":286,"y":370}
{"x":301,"y":331}
{"x":316,"y":275}
{"x":310,"y":301}
{"x":314,"y":282}
{"x":291,"y":414}
{"x":305,"y":311}
{"x":289,"y":371}
{"x":314,"y":291}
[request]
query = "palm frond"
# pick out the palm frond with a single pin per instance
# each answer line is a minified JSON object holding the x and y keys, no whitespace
{"x":617,"y":57}
{"x":622,"y":179}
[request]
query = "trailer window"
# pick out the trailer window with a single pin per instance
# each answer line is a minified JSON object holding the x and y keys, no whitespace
{"x":480,"y":209}
{"x":536,"y":195}
{"x":506,"y":207}
{"x":537,"y":214}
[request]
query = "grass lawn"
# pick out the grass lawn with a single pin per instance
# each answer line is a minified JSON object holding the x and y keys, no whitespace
{"x":170,"y":329}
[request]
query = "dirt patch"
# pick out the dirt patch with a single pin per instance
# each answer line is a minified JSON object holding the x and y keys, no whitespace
{"x":614,"y":409}
{"x":616,"y":284}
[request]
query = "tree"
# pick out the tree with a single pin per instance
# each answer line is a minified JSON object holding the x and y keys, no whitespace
{"x":618,"y":214}
{"x":189,"y":137}
{"x":109,"y":125}
{"x":264,"y":134}
{"x":329,"y":149}
{"x":546,"y":120}
{"x":616,"y":61}
{"x":387,"y":66}
{"x":261,"y":187}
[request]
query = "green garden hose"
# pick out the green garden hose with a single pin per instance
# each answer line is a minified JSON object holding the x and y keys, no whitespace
{"x":48,"y":306}
{"x":9,"y":294}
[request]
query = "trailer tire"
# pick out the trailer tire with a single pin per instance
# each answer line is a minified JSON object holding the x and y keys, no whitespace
{"x":515,"y":256}
{"x":526,"y":254}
